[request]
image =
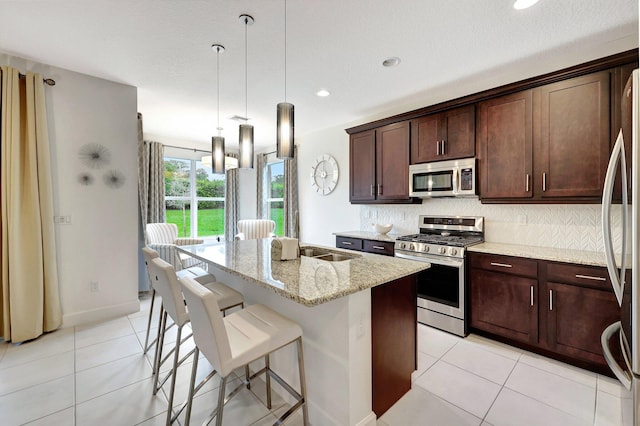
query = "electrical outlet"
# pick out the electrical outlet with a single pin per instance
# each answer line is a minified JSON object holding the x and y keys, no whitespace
{"x":95,"y":287}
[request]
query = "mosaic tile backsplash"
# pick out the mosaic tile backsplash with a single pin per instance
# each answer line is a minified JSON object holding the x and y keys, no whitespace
{"x":571,"y":226}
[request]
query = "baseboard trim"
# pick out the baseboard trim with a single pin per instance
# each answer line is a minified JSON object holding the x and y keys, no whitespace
{"x":100,"y":314}
{"x":370,"y":420}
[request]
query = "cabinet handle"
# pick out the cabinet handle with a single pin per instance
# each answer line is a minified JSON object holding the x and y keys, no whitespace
{"x":437,"y":147}
{"x":551,"y":300}
{"x":502,"y":265}
{"x":372,"y":193}
{"x":531,"y":295}
{"x":526,"y":184}
{"x":444,"y":147}
{"x":346,"y":243}
{"x":544,"y":181}
{"x":379,"y":189}
{"x":589,"y":277}
{"x":378,"y":247}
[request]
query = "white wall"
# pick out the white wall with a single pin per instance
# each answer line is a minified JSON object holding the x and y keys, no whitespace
{"x":320,"y":216}
{"x":100,"y":244}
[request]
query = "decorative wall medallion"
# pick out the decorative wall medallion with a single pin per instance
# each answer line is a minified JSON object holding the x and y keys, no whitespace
{"x":85,"y":179}
{"x":324,"y":174}
{"x":94,"y":156}
{"x":113,"y":179}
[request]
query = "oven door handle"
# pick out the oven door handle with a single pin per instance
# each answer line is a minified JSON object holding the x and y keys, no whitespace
{"x":432,"y":259}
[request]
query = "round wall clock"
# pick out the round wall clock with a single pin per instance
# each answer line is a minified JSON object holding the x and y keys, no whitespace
{"x":324,"y":174}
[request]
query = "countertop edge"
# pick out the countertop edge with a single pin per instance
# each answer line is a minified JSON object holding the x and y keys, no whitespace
{"x":579,"y":257}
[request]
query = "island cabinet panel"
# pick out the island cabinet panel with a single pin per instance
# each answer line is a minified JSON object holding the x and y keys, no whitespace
{"x":394,"y":341}
{"x":504,"y":136}
{"x":571,"y":136}
{"x":362,"y":155}
{"x":444,"y":136}
{"x":504,"y":304}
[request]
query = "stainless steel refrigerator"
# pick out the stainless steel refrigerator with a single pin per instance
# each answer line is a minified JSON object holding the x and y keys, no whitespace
{"x":623,"y":266}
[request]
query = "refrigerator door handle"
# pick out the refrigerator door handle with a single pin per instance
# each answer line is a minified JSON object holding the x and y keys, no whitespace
{"x":622,"y":375}
{"x":617,"y":280}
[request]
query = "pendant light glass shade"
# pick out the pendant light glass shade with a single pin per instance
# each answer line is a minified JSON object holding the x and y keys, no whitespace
{"x":217,"y":151}
{"x":285,"y":126}
{"x":246,"y":146}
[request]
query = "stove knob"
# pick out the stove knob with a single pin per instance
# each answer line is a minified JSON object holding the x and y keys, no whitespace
{"x":442,"y":250}
{"x":403,"y":245}
{"x":412,"y":247}
{"x":425,"y":249}
{"x":453,"y":252}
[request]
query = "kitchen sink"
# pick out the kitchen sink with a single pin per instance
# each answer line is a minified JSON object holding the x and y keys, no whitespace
{"x":322,"y":254}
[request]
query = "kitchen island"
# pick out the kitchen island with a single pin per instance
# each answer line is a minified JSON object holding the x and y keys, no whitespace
{"x":357,"y":315}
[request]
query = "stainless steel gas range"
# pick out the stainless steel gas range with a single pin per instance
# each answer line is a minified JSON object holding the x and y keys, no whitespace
{"x":442,"y":241}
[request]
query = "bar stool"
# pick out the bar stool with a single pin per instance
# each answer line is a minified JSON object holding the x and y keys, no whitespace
{"x":230,"y":297}
{"x":236,"y":340}
{"x":166,"y":283}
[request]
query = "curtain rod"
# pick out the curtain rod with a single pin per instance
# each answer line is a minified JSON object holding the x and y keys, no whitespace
{"x":47,"y":81}
{"x":188,"y":149}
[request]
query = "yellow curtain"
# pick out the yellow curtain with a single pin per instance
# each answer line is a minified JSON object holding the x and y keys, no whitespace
{"x":29,"y":302}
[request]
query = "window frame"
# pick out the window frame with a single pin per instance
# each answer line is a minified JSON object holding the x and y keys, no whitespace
{"x":193,"y":199}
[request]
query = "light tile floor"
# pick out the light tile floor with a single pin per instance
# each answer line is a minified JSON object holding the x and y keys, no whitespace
{"x":477,"y":381}
{"x":97,"y":375}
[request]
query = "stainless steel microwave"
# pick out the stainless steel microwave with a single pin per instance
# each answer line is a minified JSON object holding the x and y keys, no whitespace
{"x":453,"y":178}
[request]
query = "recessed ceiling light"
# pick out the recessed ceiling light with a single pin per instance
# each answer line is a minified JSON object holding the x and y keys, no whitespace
{"x":323,"y":93}
{"x":523,"y":4}
{"x":391,"y":62}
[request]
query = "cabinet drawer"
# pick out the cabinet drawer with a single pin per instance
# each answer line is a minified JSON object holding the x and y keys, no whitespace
{"x":349,"y":243}
{"x":586,"y":276}
{"x":505,"y":264}
{"x":379,"y":247}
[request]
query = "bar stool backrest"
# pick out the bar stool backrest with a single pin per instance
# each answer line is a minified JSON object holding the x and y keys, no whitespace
{"x":166,"y":284}
{"x":149,"y":254}
{"x":207,"y":324}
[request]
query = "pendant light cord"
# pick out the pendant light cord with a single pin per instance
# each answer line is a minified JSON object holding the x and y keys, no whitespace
{"x":285,"y":50}
{"x":218,"y":85}
{"x":246,"y":90}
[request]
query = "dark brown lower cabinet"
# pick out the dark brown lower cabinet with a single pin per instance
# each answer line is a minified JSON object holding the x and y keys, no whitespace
{"x":560,"y":311}
{"x":576,"y":317}
{"x":503,"y":304}
{"x":394,"y":327}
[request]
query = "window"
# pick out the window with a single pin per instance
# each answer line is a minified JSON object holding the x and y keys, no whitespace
{"x":194,"y":198}
{"x":274,"y":178}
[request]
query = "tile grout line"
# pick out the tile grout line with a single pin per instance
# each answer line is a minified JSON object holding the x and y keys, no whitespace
{"x":484,"y":419}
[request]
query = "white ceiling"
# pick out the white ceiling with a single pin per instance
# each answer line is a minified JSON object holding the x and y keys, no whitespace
{"x":449,"y":48}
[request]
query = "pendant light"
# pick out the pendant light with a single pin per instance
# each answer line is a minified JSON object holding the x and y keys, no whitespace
{"x":285,"y":121}
{"x":246,"y":130}
{"x":217,"y":142}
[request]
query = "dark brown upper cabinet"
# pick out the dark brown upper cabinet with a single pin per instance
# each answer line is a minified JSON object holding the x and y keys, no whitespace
{"x":504,"y":133}
{"x":444,"y":136}
{"x":572,"y":128}
{"x":379,"y":161}
{"x":548,"y":144}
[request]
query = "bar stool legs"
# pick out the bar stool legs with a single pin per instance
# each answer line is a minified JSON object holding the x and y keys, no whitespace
{"x":303,"y":383}
{"x":146,"y":339}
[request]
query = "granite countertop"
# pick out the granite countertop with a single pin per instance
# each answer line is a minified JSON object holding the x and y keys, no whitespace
{"x":590,"y":258}
{"x":306,"y":280}
{"x":368,"y":235}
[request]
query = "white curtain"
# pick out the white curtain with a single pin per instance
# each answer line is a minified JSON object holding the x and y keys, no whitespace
{"x":30,"y":301}
{"x":231,"y":202}
{"x":291,"y":195}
